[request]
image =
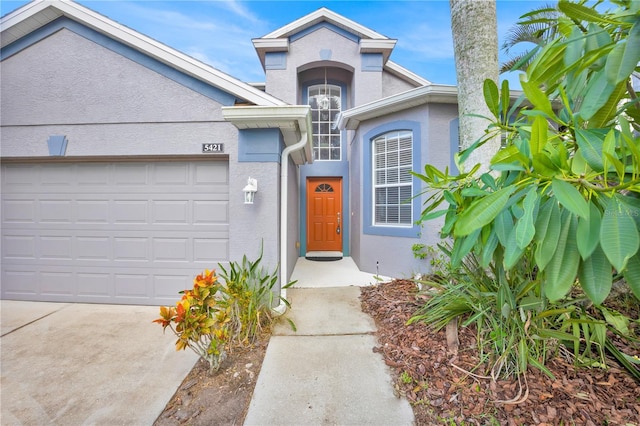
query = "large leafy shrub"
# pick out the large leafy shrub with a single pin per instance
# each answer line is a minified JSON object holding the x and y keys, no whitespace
{"x":560,"y":206}
{"x":566,"y":186}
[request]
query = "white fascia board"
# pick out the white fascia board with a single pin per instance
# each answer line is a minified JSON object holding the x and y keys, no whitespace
{"x":147,"y":45}
{"x":294,"y":121}
{"x":350,"y":119}
{"x":271,"y":44}
{"x":385,"y":46}
{"x":376,"y":45}
{"x":405,"y":74}
{"x":324,"y":14}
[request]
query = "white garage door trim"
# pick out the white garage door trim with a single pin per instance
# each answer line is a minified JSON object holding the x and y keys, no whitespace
{"x":111,"y":232}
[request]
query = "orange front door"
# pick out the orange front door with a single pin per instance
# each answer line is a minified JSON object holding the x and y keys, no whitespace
{"x":324,"y":214}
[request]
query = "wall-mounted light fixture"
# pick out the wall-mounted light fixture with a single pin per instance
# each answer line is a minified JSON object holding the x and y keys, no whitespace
{"x":250,"y":190}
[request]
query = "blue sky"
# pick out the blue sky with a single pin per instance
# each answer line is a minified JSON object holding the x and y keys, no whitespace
{"x":219,"y":32}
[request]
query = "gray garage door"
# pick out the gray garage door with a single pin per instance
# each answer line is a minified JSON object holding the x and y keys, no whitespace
{"x":119,"y":232}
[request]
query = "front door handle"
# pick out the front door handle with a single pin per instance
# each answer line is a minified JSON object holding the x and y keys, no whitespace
{"x":338,"y":228}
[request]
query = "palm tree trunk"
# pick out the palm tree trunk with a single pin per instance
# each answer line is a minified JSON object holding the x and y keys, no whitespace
{"x":475,"y":44}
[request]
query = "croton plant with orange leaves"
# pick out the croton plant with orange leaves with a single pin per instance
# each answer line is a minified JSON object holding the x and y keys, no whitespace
{"x":200,"y":320}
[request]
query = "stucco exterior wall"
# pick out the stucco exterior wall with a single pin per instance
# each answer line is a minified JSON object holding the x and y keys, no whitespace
{"x":105,"y":103}
{"x":389,"y":255}
{"x":392,"y":85}
{"x":254,"y":224}
{"x":321,"y":45}
{"x":109,"y":105}
{"x":293,"y":217}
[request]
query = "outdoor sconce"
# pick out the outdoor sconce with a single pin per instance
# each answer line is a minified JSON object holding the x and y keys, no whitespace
{"x":250,"y":190}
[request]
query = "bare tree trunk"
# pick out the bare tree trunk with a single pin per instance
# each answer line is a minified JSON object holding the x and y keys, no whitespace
{"x":475,"y":44}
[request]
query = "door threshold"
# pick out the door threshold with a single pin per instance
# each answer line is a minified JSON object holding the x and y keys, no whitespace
{"x":325,"y":256}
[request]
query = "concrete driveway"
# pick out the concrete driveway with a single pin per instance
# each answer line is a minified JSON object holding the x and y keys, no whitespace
{"x":73,"y":364}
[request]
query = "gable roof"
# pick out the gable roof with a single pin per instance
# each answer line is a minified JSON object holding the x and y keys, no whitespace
{"x":39,"y":13}
{"x":370,"y":41}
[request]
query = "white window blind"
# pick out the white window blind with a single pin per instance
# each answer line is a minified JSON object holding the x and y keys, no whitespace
{"x":392,"y":180}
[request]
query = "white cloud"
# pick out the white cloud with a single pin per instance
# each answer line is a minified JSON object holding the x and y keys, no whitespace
{"x":210,"y":31}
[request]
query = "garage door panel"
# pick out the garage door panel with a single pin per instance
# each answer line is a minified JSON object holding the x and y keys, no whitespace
{"x":92,"y":211}
{"x":18,"y":211}
{"x":57,"y":284}
{"x":88,"y":284}
{"x":55,"y":247}
{"x":113,"y":251}
{"x":20,"y":283}
{"x":94,"y":285}
{"x":102,"y":236}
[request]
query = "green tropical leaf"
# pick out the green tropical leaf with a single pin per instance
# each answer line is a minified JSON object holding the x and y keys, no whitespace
{"x":525,"y":229}
{"x":575,"y":47}
{"x":595,"y":275}
{"x":584,"y":13}
{"x":563,"y":266}
{"x":619,"y":234}
{"x":546,"y":69}
{"x":505,"y":100}
{"x":609,"y":109}
{"x":482,"y":211}
{"x":549,"y":227}
{"x":598,"y":92}
{"x":510,"y":155}
{"x":579,"y":165}
{"x":543,"y":165}
{"x":488,"y":249}
{"x":634,"y":147}
{"x":632,"y":274}
{"x":589,"y":232}
{"x":616,"y":320}
{"x":503,"y":225}
{"x":538,"y":98}
{"x":570,"y":198}
{"x":559,"y":335}
{"x":590,"y":144}
{"x":462,"y":247}
{"x":624,"y":57}
{"x":433,"y":215}
{"x":492,"y":97}
{"x":596,"y":46}
{"x":512,"y":251}
{"x":539,"y":131}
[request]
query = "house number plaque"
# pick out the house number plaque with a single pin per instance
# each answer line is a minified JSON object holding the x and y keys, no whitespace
{"x":212,"y":148}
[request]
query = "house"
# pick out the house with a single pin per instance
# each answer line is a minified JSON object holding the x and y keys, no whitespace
{"x":124,"y":161}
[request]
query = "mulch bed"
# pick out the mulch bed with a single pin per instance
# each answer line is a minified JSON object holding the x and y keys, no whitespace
{"x":440,"y":390}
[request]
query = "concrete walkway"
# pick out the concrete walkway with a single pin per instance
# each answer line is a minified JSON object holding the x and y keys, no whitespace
{"x":75,"y":364}
{"x":326,"y":372}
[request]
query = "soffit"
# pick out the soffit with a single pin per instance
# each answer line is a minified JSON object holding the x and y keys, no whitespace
{"x":294,"y":121}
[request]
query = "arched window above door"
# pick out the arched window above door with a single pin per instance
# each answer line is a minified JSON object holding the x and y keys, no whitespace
{"x":324,"y":187}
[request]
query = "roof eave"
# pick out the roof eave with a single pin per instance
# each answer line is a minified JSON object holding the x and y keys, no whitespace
{"x":324,"y":14}
{"x":294,"y":121}
{"x":405,"y":74}
{"x":350,"y":119}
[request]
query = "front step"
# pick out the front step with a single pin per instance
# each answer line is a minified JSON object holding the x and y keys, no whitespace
{"x":323,"y":256}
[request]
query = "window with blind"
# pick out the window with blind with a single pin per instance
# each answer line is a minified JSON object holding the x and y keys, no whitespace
{"x":392,"y":155}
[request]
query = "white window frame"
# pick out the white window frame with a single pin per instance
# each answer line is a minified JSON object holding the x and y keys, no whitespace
{"x":392,"y":184}
{"x":326,"y":103}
